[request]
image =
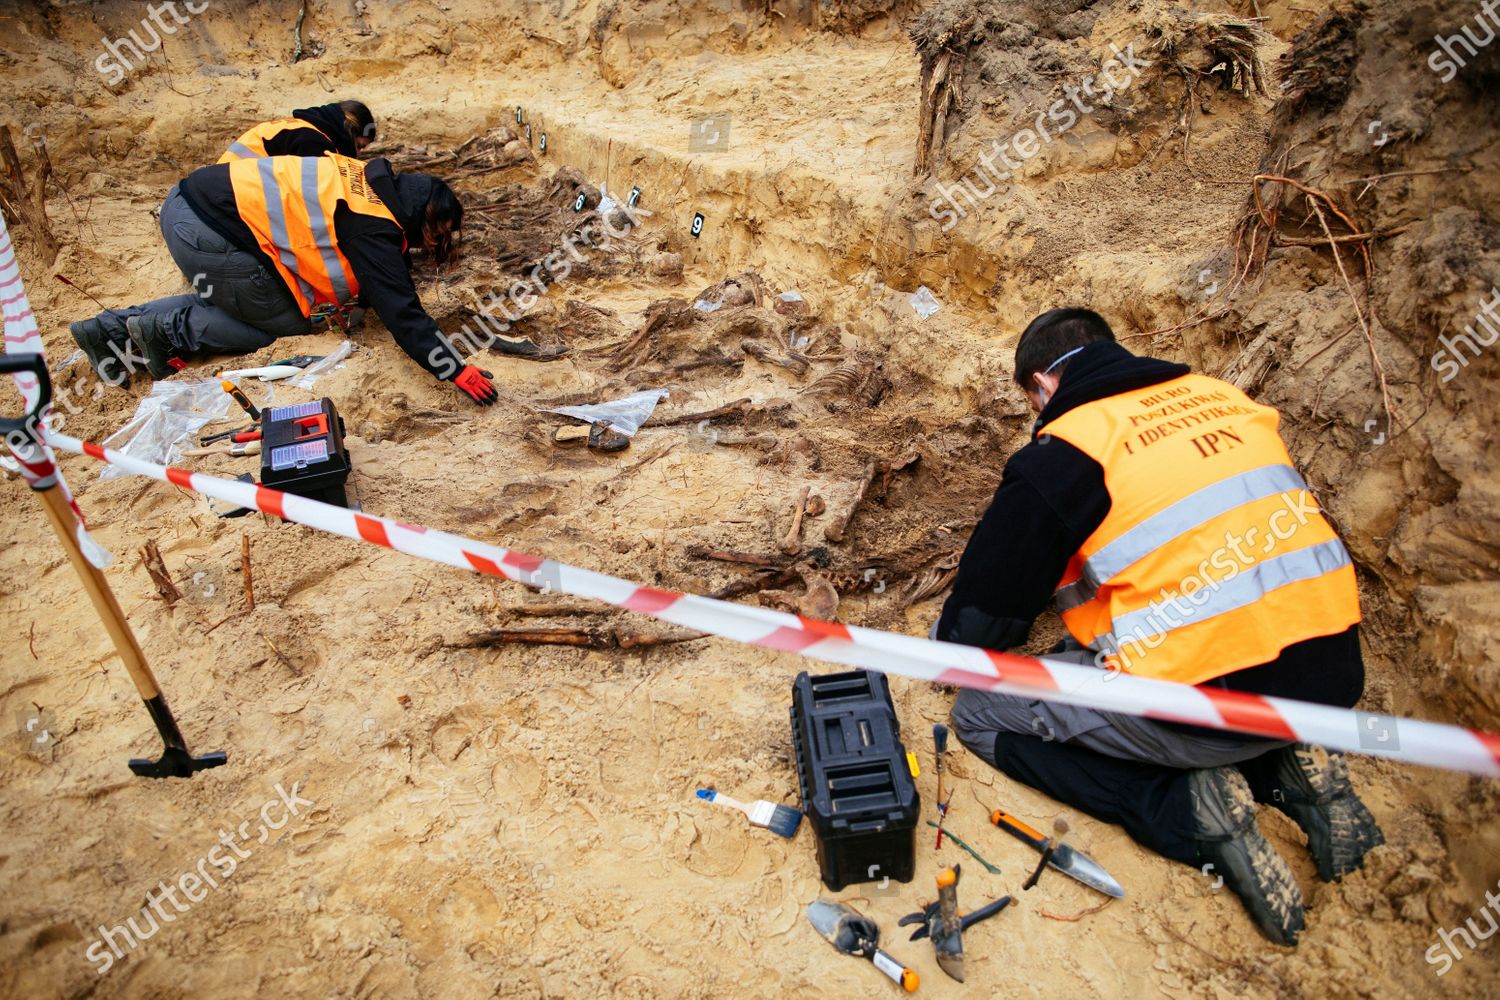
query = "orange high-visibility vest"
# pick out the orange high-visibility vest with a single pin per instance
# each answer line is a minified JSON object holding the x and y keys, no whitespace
{"x":252,"y":145}
{"x":1214,"y":555}
{"x":289,"y":203}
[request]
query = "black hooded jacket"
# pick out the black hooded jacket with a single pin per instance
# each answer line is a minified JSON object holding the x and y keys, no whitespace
{"x":371,"y":245}
{"x":328,"y":119}
{"x":1051,"y":498}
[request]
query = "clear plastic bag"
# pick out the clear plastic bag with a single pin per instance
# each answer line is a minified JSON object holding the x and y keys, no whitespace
{"x":624,"y":415}
{"x":172,"y":413}
{"x":323,"y":367}
{"x":924,"y":302}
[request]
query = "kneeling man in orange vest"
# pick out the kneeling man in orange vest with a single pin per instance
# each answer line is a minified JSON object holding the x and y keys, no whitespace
{"x":1160,"y":511}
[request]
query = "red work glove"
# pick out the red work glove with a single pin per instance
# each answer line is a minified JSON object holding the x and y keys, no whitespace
{"x":477,"y":385}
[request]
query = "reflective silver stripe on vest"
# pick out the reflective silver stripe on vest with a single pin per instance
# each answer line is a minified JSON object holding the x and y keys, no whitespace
{"x":277,"y":218}
{"x":1182,"y":517}
{"x":1243,"y":590}
{"x":321,"y":233}
{"x":243,"y":152}
{"x":1075,"y":594}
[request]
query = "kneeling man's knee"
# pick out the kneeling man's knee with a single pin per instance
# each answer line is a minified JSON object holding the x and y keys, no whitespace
{"x":973,"y":721}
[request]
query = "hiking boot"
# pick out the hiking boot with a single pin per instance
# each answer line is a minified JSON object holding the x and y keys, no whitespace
{"x":102,"y":351}
{"x":1229,"y":840}
{"x":1311,"y":785}
{"x":162,"y":359}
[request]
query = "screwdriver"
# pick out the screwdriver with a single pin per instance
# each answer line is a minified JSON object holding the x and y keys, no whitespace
{"x":245,"y":448}
{"x":209,"y":439}
{"x":241,"y":398}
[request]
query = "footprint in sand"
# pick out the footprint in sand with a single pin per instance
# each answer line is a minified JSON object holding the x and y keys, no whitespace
{"x":312,"y":828}
{"x":471,"y":740}
{"x":516,"y":779}
{"x":717,"y":852}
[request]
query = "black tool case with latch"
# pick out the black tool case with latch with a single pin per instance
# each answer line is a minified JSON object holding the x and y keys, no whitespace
{"x":302,"y":451}
{"x":857,"y":788}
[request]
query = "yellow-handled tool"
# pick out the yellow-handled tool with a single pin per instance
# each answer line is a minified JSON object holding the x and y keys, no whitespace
{"x":240,"y":397}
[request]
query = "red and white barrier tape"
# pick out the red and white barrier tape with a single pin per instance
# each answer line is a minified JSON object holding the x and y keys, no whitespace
{"x":22,"y":337}
{"x":1409,"y":740}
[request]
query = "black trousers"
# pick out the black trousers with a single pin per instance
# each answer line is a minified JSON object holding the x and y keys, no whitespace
{"x":238,"y":306}
{"x":1150,"y":801}
{"x":1134,"y":771}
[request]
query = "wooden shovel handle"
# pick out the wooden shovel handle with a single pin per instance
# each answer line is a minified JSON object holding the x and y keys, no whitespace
{"x":97,"y":587}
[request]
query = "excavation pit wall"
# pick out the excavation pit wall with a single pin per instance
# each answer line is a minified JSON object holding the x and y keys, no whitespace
{"x":490,"y":812}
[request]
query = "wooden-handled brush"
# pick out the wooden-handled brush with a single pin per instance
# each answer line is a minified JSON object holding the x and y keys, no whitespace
{"x":1053,"y":844}
{"x":940,"y":744}
{"x":780,"y":820}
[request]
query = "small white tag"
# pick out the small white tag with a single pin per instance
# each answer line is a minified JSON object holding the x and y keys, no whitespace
{"x":889,"y":966}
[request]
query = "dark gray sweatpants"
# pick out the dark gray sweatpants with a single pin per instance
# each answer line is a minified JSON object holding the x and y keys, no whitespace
{"x":240,"y":305}
{"x":978,"y":716}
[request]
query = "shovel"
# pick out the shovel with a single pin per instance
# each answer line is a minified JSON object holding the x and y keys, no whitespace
{"x":175,"y":761}
{"x":1055,"y":854}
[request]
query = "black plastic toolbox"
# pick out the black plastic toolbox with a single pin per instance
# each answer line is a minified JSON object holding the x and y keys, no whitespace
{"x":856,"y":786}
{"x":302,"y":451}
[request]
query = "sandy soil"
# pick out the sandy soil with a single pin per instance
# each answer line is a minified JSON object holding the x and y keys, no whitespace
{"x":519,"y":821}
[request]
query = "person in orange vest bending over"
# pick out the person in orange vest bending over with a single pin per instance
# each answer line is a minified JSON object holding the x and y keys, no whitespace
{"x":345,"y":128}
{"x":273,"y":246}
{"x":1160,"y":510}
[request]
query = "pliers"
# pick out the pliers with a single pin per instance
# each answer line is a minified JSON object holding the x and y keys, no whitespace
{"x":926,"y":916}
{"x":947,"y":933}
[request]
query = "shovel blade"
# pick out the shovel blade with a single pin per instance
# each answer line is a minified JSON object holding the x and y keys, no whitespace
{"x":176,"y":762}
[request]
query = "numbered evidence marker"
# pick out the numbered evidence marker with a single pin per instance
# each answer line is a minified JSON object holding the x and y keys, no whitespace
{"x":697,"y":227}
{"x":543,"y":146}
{"x":528,"y":133}
{"x":634,"y":199}
{"x":579,"y":202}
{"x":520,"y":116}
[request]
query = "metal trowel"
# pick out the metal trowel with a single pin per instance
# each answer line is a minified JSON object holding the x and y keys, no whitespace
{"x":853,"y":933}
